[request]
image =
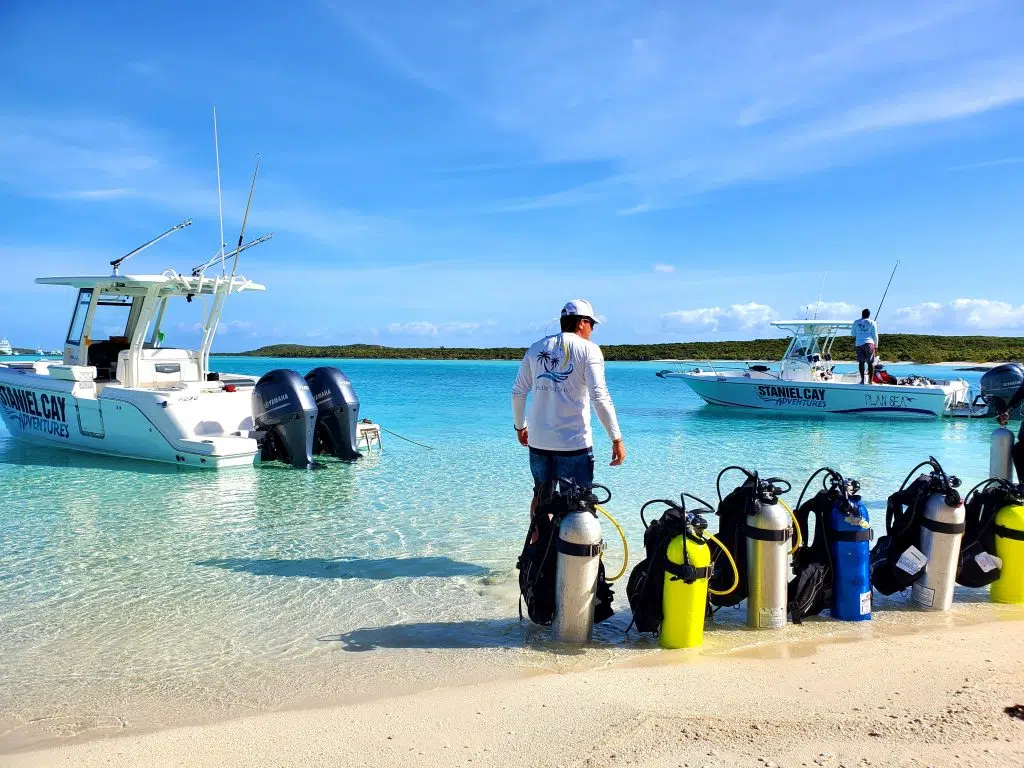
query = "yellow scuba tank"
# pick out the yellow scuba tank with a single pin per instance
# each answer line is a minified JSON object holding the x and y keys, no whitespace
{"x":1009,"y":536}
{"x":685,"y":596}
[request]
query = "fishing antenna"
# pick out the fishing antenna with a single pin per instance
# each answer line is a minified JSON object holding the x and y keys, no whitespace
{"x":821,"y":291}
{"x":220,"y":199}
{"x":116,"y":263}
{"x":245,"y":219}
{"x":877,"y":311}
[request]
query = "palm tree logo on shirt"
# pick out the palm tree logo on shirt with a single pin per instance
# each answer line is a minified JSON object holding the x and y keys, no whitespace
{"x":556,"y":368}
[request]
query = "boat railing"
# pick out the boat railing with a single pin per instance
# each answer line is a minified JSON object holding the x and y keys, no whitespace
{"x":731,"y":367}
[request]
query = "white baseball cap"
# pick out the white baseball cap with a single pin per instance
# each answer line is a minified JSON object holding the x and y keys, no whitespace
{"x":580,"y":307}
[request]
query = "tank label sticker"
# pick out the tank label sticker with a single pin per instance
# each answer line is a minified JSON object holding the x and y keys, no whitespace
{"x":44,"y":412}
{"x":771,"y":618}
{"x":912,"y":561}
{"x":865,"y":603}
{"x":987,"y":562}
{"x":807,"y":397}
{"x":923,"y":596}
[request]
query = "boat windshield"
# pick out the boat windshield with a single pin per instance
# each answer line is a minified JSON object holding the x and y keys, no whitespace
{"x":111,"y":317}
{"x":78,"y":319}
{"x":804,"y":347}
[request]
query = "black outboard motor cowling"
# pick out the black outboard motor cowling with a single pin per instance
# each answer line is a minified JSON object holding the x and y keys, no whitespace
{"x":1002,"y":387}
{"x":283,"y":408}
{"x":338,"y":412}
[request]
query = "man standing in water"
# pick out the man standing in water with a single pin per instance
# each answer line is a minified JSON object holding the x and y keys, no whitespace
{"x":865,"y":334}
{"x":565,"y":372}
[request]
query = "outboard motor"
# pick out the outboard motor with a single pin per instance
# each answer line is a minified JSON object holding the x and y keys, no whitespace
{"x":1002,"y":387}
{"x":283,"y":408}
{"x":337,"y":413}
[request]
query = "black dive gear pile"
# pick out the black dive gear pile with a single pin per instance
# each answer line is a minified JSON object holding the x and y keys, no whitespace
{"x":733,"y":510}
{"x":646,"y":587}
{"x":810,"y":590}
{"x":904,"y":516}
{"x":981,"y":505}
{"x":539,"y":557}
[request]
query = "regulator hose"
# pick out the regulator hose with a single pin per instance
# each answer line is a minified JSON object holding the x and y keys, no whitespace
{"x":732,"y":563}
{"x":625,"y":545}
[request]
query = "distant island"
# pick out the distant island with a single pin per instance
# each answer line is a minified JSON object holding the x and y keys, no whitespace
{"x":902,"y":347}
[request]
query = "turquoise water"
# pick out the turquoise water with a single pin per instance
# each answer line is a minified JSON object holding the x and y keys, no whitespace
{"x":137,"y":594}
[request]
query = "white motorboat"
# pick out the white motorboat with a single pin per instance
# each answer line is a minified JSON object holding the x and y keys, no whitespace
{"x":5,"y":347}
{"x":805,"y":381}
{"x":128,"y":395}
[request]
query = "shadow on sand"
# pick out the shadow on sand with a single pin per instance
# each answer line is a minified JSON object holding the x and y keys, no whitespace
{"x":349,"y":568}
{"x":478,"y":633}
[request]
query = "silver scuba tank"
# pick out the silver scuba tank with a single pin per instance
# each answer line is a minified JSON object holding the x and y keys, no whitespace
{"x":579,"y":557}
{"x":768,"y":533}
{"x":1000,"y":460}
{"x":942,"y":528}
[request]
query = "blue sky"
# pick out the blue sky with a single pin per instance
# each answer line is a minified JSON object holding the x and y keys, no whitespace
{"x":452,"y":172}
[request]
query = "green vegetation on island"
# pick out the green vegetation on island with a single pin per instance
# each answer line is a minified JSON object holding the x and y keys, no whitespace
{"x":894,"y":346}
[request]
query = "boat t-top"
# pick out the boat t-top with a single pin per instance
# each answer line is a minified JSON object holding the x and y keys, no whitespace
{"x":805,"y":381}
{"x":119,"y":391}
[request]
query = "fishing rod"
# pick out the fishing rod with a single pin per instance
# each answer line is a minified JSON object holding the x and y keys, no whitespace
{"x":821,"y":291}
{"x":886,"y":290}
{"x":245,"y":219}
{"x":220,"y":199}
{"x":196,"y":271}
{"x":117,"y":262}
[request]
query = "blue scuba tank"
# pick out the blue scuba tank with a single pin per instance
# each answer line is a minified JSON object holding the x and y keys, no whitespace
{"x":849,"y":546}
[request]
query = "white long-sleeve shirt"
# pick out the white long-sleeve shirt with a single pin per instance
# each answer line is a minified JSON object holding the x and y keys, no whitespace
{"x":864,"y":331}
{"x":565,"y":373}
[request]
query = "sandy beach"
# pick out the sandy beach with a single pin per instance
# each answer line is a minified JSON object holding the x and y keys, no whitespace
{"x":898,"y":696}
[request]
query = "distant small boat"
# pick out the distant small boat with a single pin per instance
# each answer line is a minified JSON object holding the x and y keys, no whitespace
{"x":5,"y":347}
{"x":39,"y":351}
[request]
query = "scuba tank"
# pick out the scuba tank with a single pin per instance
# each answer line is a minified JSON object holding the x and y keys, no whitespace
{"x":924,"y":524}
{"x":832,"y":570}
{"x":579,"y":593}
{"x":668,"y":590}
{"x":1000,"y":461}
{"x":1009,"y":548}
{"x":754,"y":526}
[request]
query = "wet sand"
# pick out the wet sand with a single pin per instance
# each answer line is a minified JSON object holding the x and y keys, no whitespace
{"x":878,"y":695}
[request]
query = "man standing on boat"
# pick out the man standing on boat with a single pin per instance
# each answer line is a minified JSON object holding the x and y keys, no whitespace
{"x":865,"y":334}
{"x":565,"y":373}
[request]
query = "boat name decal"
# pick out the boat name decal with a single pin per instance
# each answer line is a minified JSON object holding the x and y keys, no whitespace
{"x":808,"y":397}
{"x":887,"y":401}
{"x":45,"y":413}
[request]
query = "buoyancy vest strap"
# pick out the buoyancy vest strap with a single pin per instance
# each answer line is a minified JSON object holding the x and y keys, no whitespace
{"x":1009,"y":533}
{"x":579,"y":550}
{"x":935,"y":525}
{"x":864,"y":535}
{"x":687,"y":572}
{"x":765,"y":534}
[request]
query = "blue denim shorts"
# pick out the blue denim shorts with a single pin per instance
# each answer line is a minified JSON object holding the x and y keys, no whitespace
{"x":577,"y":466}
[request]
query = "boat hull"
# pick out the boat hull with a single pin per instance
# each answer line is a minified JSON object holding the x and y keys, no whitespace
{"x":149,"y":425}
{"x":820,"y":397}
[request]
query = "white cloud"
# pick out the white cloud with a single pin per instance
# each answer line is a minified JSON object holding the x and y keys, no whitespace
{"x":709,"y":95}
{"x":963,"y":315}
{"x":424,"y":328}
{"x":736,"y":317}
{"x":666,"y":268}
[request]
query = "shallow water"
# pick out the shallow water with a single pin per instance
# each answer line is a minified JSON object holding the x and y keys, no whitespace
{"x":137,"y":594}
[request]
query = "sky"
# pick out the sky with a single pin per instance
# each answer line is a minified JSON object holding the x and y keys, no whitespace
{"x":450,"y":173}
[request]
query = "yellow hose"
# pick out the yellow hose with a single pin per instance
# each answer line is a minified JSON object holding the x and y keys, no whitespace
{"x":796,"y":527}
{"x":735,"y":570}
{"x":625,"y":546}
